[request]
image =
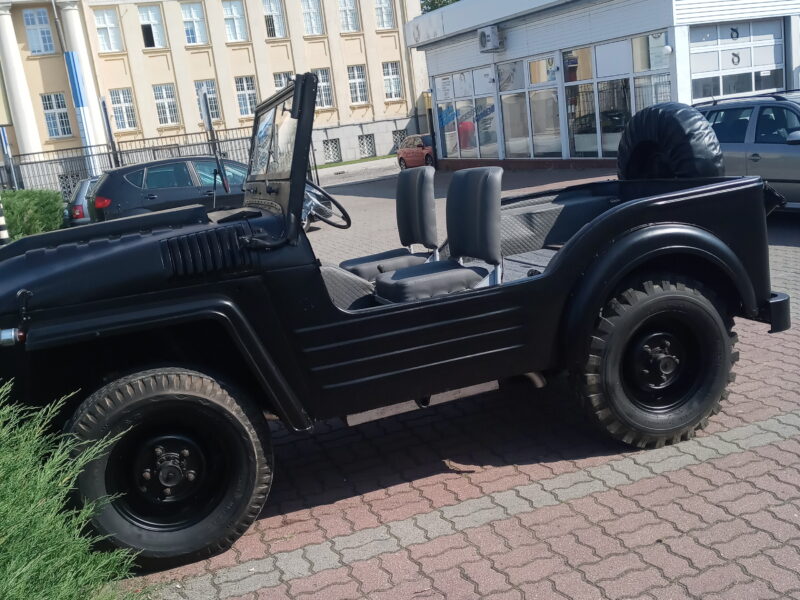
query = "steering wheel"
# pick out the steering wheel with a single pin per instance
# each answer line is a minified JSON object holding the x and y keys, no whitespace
{"x":321,"y":204}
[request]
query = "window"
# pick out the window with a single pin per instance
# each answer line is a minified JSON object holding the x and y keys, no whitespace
{"x":312,"y":17}
{"x":581,"y":120}
{"x":511,"y":76}
{"x":173,"y":175}
{"x":152,"y":27}
{"x":542,"y":71}
{"x":515,"y":125}
{"x":122,"y":106}
{"x":730,"y":124}
{"x":276,"y":23}
{"x":107,"y":25}
{"x":166,"y":105}
{"x":246,"y":94}
{"x":194,"y":23}
{"x":56,"y":115}
{"x":357,"y":77}
{"x":348,"y":15}
{"x":775,"y":124}
{"x":614,"y":100}
{"x":136,"y":178}
{"x":205,"y":173}
{"x":391,"y":80}
{"x":366,"y":145}
{"x":467,"y":138}
{"x":210,"y":87}
{"x":384,"y":14}
{"x":324,"y":91}
{"x":545,"y":122}
{"x":649,"y":52}
{"x":485,"y":117}
{"x":577,"y":64}
{"x":37,"y":27}
{"x":398,"y":135}
{"x":235,"y":26}
{"x":332,"y":151}
{"x":652,"y":89}
{"x":447,"y":125}
{"x":282,"y":79}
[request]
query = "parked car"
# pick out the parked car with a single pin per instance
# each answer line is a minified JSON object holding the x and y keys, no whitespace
{"x":167,"y":183}
{"x":760,"y":135}
{"x":182,"y":328}
{"x":415,"y":151}
{"x":77,"y":211}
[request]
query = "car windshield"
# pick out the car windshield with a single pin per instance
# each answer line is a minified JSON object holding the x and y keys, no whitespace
{"x":273,"y":147}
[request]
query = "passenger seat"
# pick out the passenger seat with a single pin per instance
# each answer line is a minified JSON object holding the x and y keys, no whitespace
{"x":473,"y":231}
{"x":416,"y":224}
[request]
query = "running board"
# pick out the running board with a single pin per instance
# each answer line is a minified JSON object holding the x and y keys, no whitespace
{"x":412,"y":405}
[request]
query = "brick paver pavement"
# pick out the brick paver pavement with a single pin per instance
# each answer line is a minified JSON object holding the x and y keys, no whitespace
{"x":508,"y":496}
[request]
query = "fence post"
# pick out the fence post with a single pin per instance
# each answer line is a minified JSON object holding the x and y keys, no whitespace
{"x":3,"y":229}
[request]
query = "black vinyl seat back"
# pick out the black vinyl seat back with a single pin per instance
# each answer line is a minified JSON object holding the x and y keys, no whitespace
{"x":416,"y":207}
{"x":473,"y":214}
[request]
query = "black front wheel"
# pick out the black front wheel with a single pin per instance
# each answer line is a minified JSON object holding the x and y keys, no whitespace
{"x":189,"y":471}
{"x":658,"y":362}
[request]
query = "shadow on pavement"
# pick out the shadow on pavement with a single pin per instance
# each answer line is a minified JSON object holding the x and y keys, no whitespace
{"x":519,"y":426}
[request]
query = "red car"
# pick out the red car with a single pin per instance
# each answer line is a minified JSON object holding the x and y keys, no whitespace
{"x":415,"y":151}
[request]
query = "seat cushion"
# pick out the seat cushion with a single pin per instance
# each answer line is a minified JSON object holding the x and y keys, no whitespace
{"x":426,"y":281}
{"x":369,"y":267}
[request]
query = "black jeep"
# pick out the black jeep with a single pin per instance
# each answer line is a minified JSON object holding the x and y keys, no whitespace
{"x":184,"y":331}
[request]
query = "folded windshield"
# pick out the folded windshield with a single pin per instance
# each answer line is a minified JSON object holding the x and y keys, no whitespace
{"x":273,"y":147}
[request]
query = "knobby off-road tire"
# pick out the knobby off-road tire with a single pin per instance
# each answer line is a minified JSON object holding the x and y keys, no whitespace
{"x":658,"y":362}
{"x":190,"y":470}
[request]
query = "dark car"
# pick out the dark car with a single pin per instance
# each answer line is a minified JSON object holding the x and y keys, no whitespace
{"x":415,"y":151}
{"x":185,"y":330}
{"x":760,"y":135}
{"x":167,"y":183}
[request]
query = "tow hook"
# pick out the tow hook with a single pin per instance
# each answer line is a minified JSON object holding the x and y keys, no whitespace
{"x":11,"y":337}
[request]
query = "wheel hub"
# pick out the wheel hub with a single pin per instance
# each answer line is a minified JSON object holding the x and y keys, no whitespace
{"x":657,"y":360}
{"x":169,"y":468}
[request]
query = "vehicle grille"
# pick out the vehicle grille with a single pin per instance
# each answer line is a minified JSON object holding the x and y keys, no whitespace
{"x":205,"y":252}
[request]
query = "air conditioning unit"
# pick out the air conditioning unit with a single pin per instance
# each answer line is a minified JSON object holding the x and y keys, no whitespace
{"x":489,"y":39}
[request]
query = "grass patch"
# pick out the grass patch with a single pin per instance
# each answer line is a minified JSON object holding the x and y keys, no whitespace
{"x":45,"y":550}
{"x":353,"y":162}
{"x":32,"y":211}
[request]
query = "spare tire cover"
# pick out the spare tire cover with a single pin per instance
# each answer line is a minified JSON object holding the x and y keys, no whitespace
{"x":669,"y":140}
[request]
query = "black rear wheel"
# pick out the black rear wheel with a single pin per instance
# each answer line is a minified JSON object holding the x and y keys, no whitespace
{"x":658,"y":362}
{"x":190,"y":469}
{"x":429,"y":160}
{"x":402,"y":164}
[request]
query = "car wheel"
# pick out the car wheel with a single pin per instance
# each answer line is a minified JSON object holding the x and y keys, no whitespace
{"x":429,"y":160}
{"x":188,"y":470}
{"x":402,"y":164}
{"x":658,"y":362}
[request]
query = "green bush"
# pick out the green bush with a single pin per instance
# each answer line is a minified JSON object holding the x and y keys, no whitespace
{"x":45,"y":551}
{"x":32,"y":211}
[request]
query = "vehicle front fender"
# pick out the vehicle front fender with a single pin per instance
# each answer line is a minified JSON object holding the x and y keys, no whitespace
{"x":111,"y":322}
{"x":635,"y":250}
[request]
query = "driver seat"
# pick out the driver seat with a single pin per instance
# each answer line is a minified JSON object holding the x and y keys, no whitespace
{"x":473,"y":231}
{"x":416,"y":224}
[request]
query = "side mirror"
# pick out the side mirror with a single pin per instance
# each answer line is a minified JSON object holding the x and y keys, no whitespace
{"x":793,"y":139}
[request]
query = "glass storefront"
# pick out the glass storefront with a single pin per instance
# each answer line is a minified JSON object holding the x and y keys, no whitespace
{"x":486,"y":118}
{"x":581,"y":120}
{"x":546,"y":123}
{"x":515,"y":125}
{"x":614,"y":100}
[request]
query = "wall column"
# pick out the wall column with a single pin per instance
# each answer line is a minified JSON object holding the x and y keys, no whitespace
{"x":17,"y":91}
{"x":81,"y":77}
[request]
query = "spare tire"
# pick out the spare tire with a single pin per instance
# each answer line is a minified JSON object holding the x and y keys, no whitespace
{"x":668,"y":141}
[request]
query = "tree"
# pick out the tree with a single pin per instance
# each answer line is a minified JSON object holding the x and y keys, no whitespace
{"x":429,"y":5}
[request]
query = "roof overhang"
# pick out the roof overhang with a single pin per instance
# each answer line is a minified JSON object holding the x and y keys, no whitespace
{"x":469,"y":15}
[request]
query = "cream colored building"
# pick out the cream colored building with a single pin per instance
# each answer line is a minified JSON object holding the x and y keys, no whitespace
{"x":148,"y":60}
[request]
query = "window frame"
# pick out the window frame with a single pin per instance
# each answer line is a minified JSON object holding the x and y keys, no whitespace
{"x":171,"y":187}
{"x":359,"y":85}
{"x":195,"y":20}
{"x":246,"y":95}
{"x":284,"y":76}
{"x":168,"y":104}
{"x":59,"y":111}
{"x":127,"y":109}
{"x":155,"y":27}
{"x":278,"y":16}
{"x":106,"y":26}
{"x":388,"y":79}
{"x":309,"y":8}
{"x":382,"y":8}
{"x":34,"y":32}
{"x":324,"y":85}
{"x":239,"y":22}
{"x":347,"y":14}
{"x":214,"y":106}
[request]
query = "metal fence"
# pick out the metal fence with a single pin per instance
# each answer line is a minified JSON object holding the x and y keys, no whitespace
{"x":61,"y":170}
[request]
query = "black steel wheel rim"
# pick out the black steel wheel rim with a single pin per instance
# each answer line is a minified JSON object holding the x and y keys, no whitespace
{"x":664,"y":363}
{"x":174,"y":465}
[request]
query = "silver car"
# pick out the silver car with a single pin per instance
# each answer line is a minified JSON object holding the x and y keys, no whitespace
{"x":77,"y":211}
{"x":760,"y":135}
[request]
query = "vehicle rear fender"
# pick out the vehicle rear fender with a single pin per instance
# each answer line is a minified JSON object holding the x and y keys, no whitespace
{"x":663,"y":247}
{"x":149,"y":317}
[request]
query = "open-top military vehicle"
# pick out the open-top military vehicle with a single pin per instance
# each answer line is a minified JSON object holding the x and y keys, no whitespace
{"x":182,"y":330}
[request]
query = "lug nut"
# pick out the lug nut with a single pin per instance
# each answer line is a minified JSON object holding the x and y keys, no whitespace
{"x":191,"y":475}
{"x":146,"y":475}
{"x":168,"y":491}
{"x":159,"y":450}
{"x":184,"y":453}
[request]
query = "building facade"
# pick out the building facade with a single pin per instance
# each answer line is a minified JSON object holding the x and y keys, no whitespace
{"x":67,"y":64}
{"x":535,"y":82}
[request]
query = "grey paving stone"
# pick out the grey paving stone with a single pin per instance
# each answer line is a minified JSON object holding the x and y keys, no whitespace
{"x":719,"y":445}
{"x":321,"y":556}
{"x":254,"y":582}
{"x":783,"y":429}
{"x":566,"y":480}
{"x":229,"y":574}
{"x":370,"y":550}
{"x":434,"y":524}
{"x":512,"y":502}
{"x":292,"y":564}
{"x":199,"y":588}
{"x":407,"y":532}
{"x":579,"y":490}
{"x":537,"y":495}
{"x":698,"y":450}
{"x":656,"y":455}
{"x":467,"y":507}
{"x":633,"y":471}
{"x":359,"y":538}
{"x":609,"y":476}
{"x":673,"y":463}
